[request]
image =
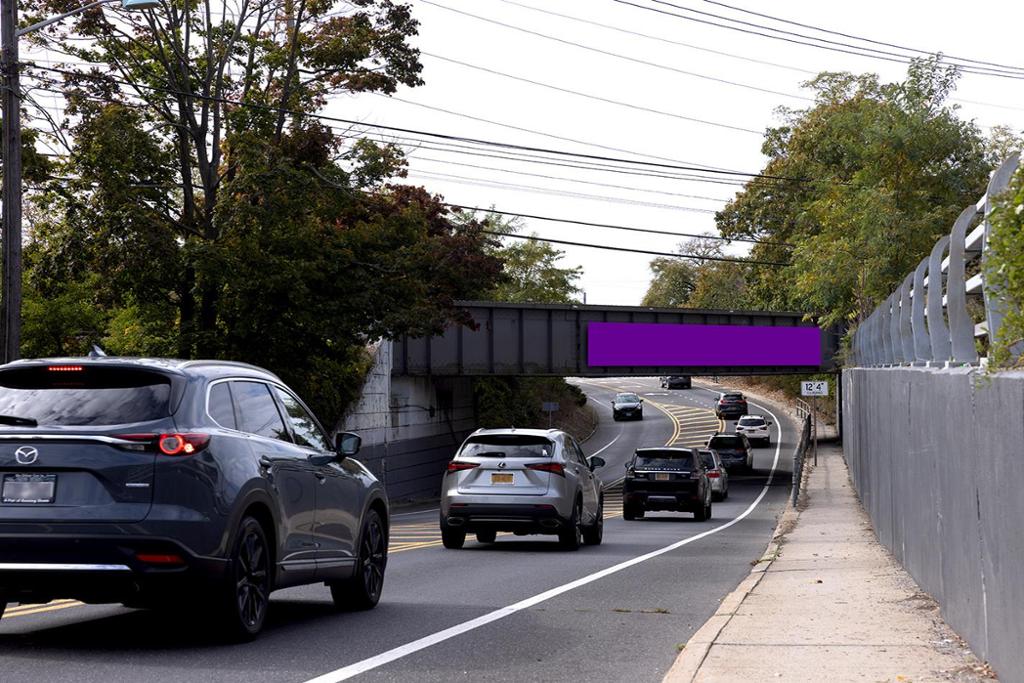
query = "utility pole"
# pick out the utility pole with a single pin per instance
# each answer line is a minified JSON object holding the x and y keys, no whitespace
{"x":10,"y":303}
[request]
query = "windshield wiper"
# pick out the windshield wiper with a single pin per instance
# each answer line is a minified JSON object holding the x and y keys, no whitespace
{"x":18,"y":421}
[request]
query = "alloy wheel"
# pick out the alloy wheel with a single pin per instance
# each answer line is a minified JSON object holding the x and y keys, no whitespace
{"x":252,"y":578}
{"x":373,"y":557}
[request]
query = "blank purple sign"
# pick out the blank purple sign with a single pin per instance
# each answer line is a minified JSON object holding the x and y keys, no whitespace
{"x":654,"y":345}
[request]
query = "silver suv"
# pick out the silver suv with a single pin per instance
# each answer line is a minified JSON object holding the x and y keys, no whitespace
{"x":527,"y":481}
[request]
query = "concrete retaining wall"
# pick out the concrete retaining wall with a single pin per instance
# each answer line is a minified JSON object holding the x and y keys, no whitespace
{"x":937,"y":457}
{"x":411,"y":426}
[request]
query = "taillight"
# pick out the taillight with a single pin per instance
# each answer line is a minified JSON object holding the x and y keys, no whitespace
{"x":713,"y":474}
{"x":454,"y":466}
{"x":168,"y":444}
{"x":552,"y":467}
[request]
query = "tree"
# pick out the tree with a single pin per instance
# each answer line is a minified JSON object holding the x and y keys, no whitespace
{"x":673,"y":283}
{"x":863,"y":183}
{"x":698,"y":282}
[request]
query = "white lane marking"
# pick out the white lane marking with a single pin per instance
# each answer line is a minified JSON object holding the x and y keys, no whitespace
{"x":604,"y":447}
{"x":401,"y":651}
{"x":418,"y":512}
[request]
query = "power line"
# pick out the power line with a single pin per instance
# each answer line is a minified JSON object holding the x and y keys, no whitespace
{"x":853,"y":49}
{"x":497,"y":184}
{"x":617,"y":55}
{"x":589,"y":96}
{"x":660,"y":39}
{"x":440,"y":136}
{"x":854,"y":37}
{"x":612,"y":226}
{"x":695,"y":257}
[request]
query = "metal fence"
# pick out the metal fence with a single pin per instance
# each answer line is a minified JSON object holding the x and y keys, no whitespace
{"x":926,"y":321}
{"x":803,"y":411}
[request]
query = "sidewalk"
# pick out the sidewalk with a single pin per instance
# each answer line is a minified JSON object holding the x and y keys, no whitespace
{"x":826,"y":603}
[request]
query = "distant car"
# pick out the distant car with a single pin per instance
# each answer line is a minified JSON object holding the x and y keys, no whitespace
{"x":191,"y":486}
{"x":717,"y":473}
{"x":676,"y":382}
{"x":755,"y":428}
{"x":527,"y":481}
{"x":627,"y":406}
{"x":733,"y":449}
{"x":666,"y":479}
{"x":731,"y":406}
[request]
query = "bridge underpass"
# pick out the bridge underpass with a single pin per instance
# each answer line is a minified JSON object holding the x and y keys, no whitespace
{"x":418,"y":403}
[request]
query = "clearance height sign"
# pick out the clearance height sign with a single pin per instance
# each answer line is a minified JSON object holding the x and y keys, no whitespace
{"x":671,"y":345}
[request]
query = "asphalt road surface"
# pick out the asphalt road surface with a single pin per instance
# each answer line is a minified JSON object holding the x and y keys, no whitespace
{"x":517,"y":610}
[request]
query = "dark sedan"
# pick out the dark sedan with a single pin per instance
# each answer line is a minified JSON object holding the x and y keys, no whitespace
{"x":179,"y":484}
{"x":627,"y":406}
{"x":666,"y":479}
{"x":676,"y":382}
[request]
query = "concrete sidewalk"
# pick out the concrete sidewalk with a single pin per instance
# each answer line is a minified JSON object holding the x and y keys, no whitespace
{"x":827,"y":603}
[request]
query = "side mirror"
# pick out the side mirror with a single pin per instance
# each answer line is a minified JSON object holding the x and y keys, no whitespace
{"x":347,"y":443}
{"x":595,"y":462}
{"x":768,"y":423}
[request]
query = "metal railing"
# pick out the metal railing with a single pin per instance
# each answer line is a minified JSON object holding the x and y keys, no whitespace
{"x":926,"y":321}
{"x":800,"y":454}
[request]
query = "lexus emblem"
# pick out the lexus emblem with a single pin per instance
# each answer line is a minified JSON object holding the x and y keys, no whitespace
{"x":502,"y":464}
{"x":26,"y":455}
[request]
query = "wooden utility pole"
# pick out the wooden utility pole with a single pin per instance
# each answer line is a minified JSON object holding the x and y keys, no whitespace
{"x":10,"y":303}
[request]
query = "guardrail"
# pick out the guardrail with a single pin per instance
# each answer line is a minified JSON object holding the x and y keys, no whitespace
{"x":926,"y":321}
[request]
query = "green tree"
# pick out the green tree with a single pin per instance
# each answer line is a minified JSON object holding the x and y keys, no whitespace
{"x":697,"y":282}
{"x":673,"y":282}
{"x":863,"y":183}
{"x":1004,"y":271}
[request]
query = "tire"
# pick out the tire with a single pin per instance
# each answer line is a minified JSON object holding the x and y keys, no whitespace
{"x":593,"y":534}
{"x":571,"y":538}
{"x":628,"y":514}
{"x":704,"y":513}
{"x":453,"y":539}
{"x":363,"y":590}
{"x":717,"y":496}
{"x":725,"y":493}
{"x":3,"y":606}
{"x":244,"y":597}
{"x":486,"y":536}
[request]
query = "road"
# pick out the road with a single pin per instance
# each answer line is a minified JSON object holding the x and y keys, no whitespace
{"x":520,"y":609}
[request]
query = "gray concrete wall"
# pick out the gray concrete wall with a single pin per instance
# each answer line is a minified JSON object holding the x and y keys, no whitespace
{"x":411,"y":426}
{"x":937,"y":457}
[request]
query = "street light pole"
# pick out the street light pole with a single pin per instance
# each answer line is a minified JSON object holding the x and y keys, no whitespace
{"x":10,"y":233}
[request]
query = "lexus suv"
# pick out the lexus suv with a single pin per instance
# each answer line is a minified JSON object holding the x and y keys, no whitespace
{"x":755,"y":428}
{"x":527,"y":481}
{"x":165,"y":483}
{"x":666,"y":479}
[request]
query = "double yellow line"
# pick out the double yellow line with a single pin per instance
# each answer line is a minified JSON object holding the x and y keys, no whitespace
{"x":28,"y":610}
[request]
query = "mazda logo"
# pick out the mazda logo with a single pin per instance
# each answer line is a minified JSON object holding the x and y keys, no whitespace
{"x":26,"y":455}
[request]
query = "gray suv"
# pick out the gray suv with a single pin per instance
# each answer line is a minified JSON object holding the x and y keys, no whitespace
{"x":527,"y":481}
{"x":165,"y":483}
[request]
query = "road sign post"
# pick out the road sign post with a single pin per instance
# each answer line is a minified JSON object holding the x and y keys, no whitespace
{"x":814,"y":388}
{"x":549,"y":407}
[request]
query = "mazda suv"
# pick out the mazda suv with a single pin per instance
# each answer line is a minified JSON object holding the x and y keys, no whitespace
{"x":179,"y":484}
{"x":526,"y":481}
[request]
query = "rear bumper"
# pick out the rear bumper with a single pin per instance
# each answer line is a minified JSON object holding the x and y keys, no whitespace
{"x":684,"y":499}
{"x":537,"y":518}
{"x":99,"y":569}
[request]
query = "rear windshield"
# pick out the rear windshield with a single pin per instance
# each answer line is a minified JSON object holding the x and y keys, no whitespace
{"x":732,"y":397}
{"x":726,"y":442}
{"x":752,"y":421}
{"x":507,"y":446}
{"x":708,"y":459}
{"x":677,"y":460}
{"x":77,"y":395}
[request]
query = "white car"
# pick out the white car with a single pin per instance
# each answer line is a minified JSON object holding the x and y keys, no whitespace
{"x":755,"y":428}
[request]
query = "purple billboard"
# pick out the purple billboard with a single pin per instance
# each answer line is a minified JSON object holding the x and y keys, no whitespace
{"x":664,"y":345}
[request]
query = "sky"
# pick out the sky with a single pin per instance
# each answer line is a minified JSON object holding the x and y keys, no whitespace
{"x":670,"y":106}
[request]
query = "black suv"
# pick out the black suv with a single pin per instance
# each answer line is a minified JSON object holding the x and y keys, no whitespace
{"x":666,"y":479}
{"x":731,"y":406}
{"x":164,"y":482}
{"x":676,"y":382}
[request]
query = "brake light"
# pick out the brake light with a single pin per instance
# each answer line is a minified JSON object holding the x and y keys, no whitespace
{"x":65,"y":368}
{"x":454,"y":466}
{"x":158,"y":558}
{"x":552,"y":467}
{"x":168,"y":444}
{"x":713,"y":474}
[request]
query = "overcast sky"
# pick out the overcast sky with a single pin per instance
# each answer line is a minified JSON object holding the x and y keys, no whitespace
{"x":987,"y":30}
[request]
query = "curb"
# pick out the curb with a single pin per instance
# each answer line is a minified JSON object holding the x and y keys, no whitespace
{"x":689,"y":661}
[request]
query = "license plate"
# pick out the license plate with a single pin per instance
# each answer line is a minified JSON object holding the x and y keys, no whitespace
{"x":29,"y":489}
{"x":662,"y":476}
{"x":503,"y":478}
